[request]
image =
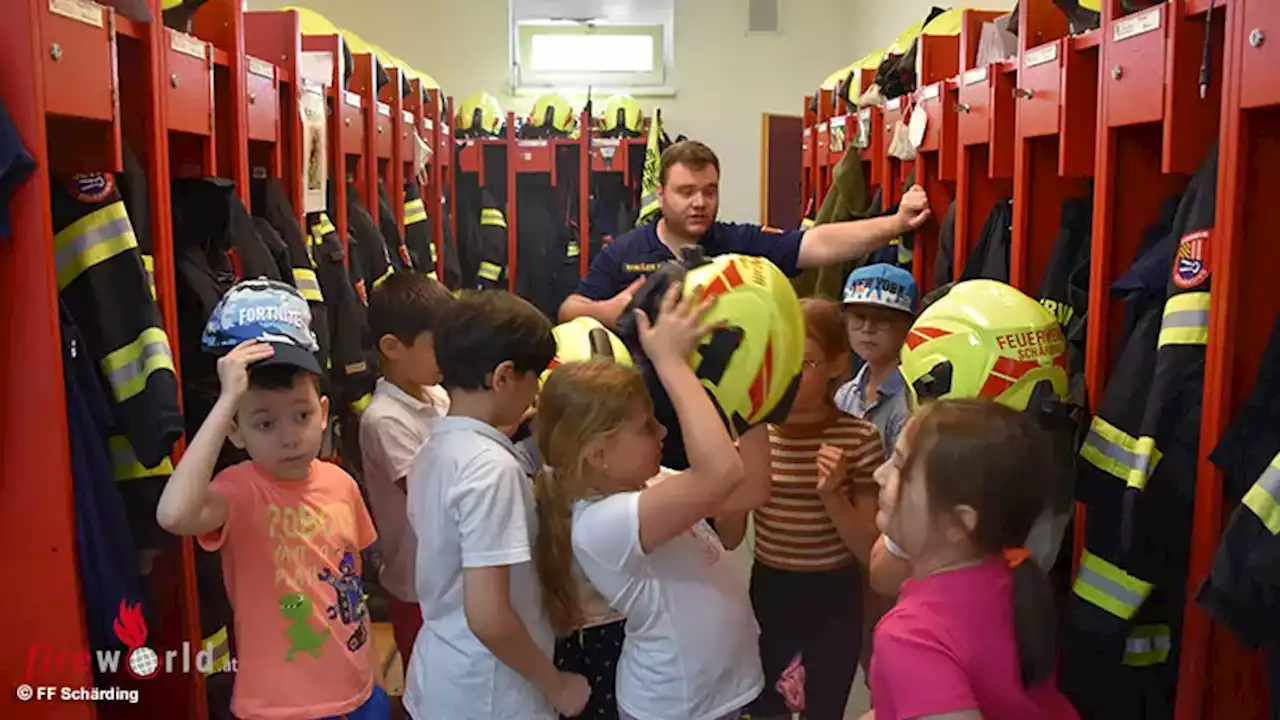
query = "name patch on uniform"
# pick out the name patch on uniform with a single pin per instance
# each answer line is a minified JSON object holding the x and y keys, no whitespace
{"x":91,"y":187}
{"x":641,"y":267}
{"x":1191,"y":267}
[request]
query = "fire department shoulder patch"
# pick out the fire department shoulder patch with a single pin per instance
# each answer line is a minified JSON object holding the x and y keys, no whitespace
{"x":91,"y":187}
{"x":1191,"y":266}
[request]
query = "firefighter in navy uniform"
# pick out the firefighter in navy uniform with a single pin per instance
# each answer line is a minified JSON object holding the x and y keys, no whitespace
{"x":1138,"y":479}
{"x":688,"y":220}
{"x":482,"y":225}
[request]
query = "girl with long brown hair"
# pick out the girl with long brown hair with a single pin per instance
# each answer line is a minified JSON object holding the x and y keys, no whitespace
{"x":638,"y":535}
{"x":972,"y":634}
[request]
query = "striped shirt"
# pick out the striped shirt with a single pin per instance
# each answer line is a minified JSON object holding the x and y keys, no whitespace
{"x":792,"y":530}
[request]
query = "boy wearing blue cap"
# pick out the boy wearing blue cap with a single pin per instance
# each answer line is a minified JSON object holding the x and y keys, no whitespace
{"x":290,"y":528}
{"x":879,"y":307}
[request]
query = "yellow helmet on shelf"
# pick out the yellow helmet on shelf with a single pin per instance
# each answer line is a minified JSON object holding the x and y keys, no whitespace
{"x":985,"y":339}
{"x":621,"y":117}
{"x":356,"y":43}
{"x":479,"y":115}
{"x":311,"y":22}
{"x":583,"y":339}
{"x":552,"y":116}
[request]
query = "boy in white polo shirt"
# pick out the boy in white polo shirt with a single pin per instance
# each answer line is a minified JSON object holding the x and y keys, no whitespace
{"x":403,"y":312}
{"x":484,"y":651}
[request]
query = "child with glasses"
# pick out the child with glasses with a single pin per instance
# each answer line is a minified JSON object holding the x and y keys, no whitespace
{"x":879,"y":307}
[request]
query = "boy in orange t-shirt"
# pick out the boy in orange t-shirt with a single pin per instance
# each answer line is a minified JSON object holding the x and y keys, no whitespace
{"x":290,"y":527}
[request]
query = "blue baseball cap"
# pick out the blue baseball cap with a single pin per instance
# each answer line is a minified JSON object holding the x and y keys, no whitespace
{"x":266,"y":310}
{"x":883,"y":285}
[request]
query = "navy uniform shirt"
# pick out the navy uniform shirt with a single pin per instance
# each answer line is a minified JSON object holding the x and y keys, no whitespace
{"x":639,"y":252}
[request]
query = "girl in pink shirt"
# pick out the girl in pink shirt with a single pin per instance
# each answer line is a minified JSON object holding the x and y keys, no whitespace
{"x":970,"y":638}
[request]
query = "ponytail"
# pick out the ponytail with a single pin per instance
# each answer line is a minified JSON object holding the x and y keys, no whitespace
{"x":553,"y":554}
{"x":1033,"y":622}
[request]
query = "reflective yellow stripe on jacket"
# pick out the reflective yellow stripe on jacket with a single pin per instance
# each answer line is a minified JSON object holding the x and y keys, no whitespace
{"x":1147,"y":645}
{"x":414,"y":212}
{"x":319,"y":229}
{"x":489,"y":271}
{"x":1108,"y":587}
{"x":128,"y":368}
{"x":126,"y":466}
{"x":1118,"y":453}
{"x":1264,"y":497}
{"x":493,"y":218}
{"x":1186,"y":320}
{"x":305,"y":280}
{"x":94,"y":238}
{"x":219,"y":652}
{"x":149,"y":264}
{"x":359,"y":406}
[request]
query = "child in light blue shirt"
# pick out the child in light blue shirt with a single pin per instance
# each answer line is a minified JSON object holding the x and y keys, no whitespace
{"x":879,"y":307}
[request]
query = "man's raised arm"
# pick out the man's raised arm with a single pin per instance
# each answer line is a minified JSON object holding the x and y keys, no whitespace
{"x":836,"y":243}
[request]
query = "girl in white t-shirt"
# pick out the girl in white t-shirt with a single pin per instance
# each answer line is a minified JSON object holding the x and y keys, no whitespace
{"x":690,"y":649}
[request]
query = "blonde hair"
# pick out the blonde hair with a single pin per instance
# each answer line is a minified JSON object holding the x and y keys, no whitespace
{"x":580,"y":402}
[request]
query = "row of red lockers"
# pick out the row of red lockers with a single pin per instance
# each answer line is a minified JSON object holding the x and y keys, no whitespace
{"x":1120,"y":114}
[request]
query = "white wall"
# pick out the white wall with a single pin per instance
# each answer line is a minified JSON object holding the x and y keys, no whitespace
{"x":724,"y":78}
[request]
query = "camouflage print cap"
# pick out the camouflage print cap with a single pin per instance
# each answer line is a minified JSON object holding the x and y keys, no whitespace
{"x":269,"y":311}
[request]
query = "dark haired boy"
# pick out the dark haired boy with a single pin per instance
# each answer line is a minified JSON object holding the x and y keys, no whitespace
{"x":290,"y":527}
{"x":485,"y":648}
{"x":403,"y":312}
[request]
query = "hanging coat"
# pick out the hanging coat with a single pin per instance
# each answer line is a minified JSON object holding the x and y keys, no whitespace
{"x":1064,"y":289}
{"x":1138,"y":481}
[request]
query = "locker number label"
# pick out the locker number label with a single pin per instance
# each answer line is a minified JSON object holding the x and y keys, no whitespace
{"x":262,"y":68}
{"x":1136,"y":25}
{"x":974,"y":76}
{"x":1041,"y":55}
{"x":187,"y":45}
{"x":83,"y":11}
